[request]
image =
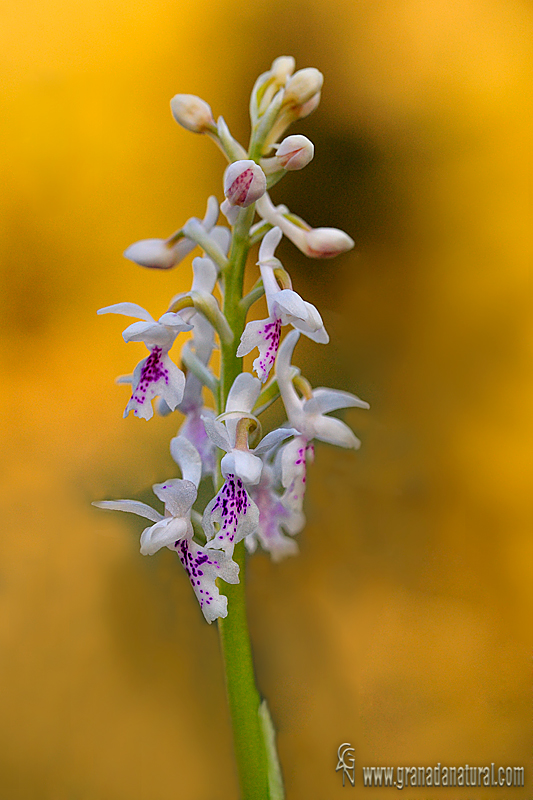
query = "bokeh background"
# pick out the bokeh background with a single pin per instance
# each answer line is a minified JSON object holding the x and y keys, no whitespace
{"x":404,"y":625}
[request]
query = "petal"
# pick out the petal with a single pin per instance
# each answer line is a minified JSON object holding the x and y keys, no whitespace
{"x":217,"y":433}
{"x":325,"y":400}
{"x":154,"y":376}
{"x":204,"y":566}
{"x":230,"y":212}
{"x":172,"y":387}
{"x":222,"y":236}
{"x":291,"y":400}
{"x":293,"y":473}
{"x":320,"y":336}
{"x":269,"y":244}
{"x":151,"y":333}
{"x":193,"y":430}
{"x":241,"y":398}
{"x":291,"y":304}
{"x":243,"y":393}
{"x":177,"y":495}
{"x":165,"y":533}
{"x":234,"y":511}
{"x":128,"y":310}
{"x":329,"y":429}
{"x":187,"y":458}
{"x":251,"y":337}
{"x":263,"y":334}
{"x":175,"y":321}
{"x":243,"y":464}
{"x":133,"y":506}
{"x":274,"y":438}
{"x":272,"y":517}
{"x":211,"y":213}
{"x":205,"y":274}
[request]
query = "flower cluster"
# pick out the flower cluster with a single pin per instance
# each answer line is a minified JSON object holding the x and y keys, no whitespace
{"x":258,"y":481}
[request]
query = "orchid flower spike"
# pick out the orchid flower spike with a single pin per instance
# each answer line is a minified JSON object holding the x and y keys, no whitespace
{"x":313,"y":242}
{"x":285,"y":307}
{"x":156,"y":375}
{"x":167,"y":253}
{"x":232,"y":508}
{"x":174,"y":530}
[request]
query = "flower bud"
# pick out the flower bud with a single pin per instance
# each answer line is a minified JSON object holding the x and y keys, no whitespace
{"x":303,"y":86}
{"x":295,"y":152}
{"x":157,"y":254}
{"x":192,"y":112}
{"x":327,"y":242}
{"x":244,"y":183}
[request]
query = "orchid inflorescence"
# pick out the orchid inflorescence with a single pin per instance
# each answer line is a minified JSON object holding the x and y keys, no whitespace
{"x":259,"y":481}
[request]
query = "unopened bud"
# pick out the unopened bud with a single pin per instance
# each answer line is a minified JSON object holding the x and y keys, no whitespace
{"x":303,"y":86}
{"x":192,"y":113}
{"x":327,"y":242}
{"x":244,"y":183}
{"x":295,"y":152}
{"x":157,"y":253}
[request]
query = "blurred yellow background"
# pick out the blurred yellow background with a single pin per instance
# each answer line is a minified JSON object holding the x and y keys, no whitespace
{"x":404,"y":625}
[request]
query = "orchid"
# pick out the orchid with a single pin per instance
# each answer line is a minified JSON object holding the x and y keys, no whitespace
{"x":275,"y":518}
{"x":155,"y":375}
{"x":174,"y":530}
{"x":232,"y":508}
{"x":284,"y":306}
{"x":307,"y":414}
{"x":254,"y":497}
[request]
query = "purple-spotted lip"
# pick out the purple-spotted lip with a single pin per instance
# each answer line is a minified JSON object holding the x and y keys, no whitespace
{"x":152,"y":372}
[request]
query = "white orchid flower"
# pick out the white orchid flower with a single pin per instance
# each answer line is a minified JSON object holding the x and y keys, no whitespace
{"x":232,"y":436}
{"x":174,"y":530}
{"x":156,"y":375}
{"x":307,"y":414}
{"x":232,"y":508}
{"x":285,"y":307}
{"x":275,"y":520}
{"x":167,"y":253}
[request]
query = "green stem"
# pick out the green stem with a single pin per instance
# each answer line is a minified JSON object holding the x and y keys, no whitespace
{"x":243,"y":697}
{"x":233,"y":310}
